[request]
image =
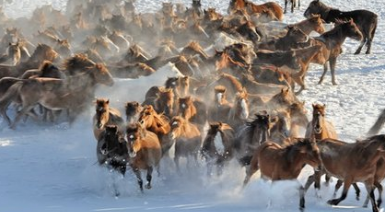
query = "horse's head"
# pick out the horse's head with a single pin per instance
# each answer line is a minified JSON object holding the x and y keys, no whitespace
{"x":132,"y":109}
{"x":176,"y":123}
{"x":318,"y":117}
{"x":310,"y":151}
{"x":261,"y":125}
{"x":297,"y":112}
{"x":248,"y":30}
{"x":316,"y":7}
{"x":220,"y":94}
{"x":112,"y":140}
{"x":134,"y":133}
{"x":146,"y":116}
{"x":296,"y":34}
{"x":184,"y":105}
{"x":318,"y":24}
{"x":350,"y":29}
{"x":102,"y":112}
{"x":165,"y":99}
{"x":241,"y":104}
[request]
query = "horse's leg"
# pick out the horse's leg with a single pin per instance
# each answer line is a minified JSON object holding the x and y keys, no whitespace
{"x":139,"y":178}
{"x":369,"y":41}
{"x":337,"y":187}
{"x":301,"y":197}
{"x":360,"y":46}
{"x":370,"y":189}
{"x":358,"y":191}
{"x":149,"y":177}
{"x":324,"y":73}
{"x":347,"y":184}
{"x":285,"y":6}
{"x":253,"y":167}
{"x":333,"y":62}
{"x":310,"y":180}
{"x":327,"y":179}
{"x":380,"y":189}
{"x":176,"y":161}
{"x":292,"y":5}
{"x":20,"y":115}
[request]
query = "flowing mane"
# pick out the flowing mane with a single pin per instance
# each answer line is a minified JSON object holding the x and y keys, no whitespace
{"x":77,"y":62}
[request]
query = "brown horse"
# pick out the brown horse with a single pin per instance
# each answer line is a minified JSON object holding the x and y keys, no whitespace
{"x":187,"y":139}
{"x":284,"y":163}
{"x":312,"y":23}
{"x":193,"y":110}
{"x":41,"y":53}
{"x":105,"y":115}
{"x":252,"y":8}
{"x":159,"y":124}
{"x":13,"y":54}
{"x":144,"y":152}
{"x":218,"y":146}
{"x":132,"y":110}
{"x":319,"y":126}
{"x":331,"y":42}
{"x":353,"y":162}
{"x":164,"y":103}
{"x":73,"y":93}
{"x":365,"y":20}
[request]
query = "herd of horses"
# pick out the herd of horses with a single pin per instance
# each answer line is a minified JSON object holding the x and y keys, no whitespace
{"x":196,"y":84}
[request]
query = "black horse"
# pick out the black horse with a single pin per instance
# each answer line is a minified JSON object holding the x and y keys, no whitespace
{"x":365,"y":20}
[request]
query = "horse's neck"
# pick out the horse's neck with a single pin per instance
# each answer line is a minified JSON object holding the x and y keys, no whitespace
{"x":334,"y":37}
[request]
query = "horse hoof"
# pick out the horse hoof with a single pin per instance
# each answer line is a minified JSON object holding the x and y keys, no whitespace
{"x":333,"y":202}
{"x":147,"y":186}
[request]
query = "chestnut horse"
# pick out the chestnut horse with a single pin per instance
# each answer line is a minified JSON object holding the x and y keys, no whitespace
{"x":105,"y":115}
{"x":319,"y":126}
{"x":193,"y":110}
{"x":159,"y":124}
{"x":144,"y":152}
{"x":278,"y":162}
{"x":187,"y":139}
{"x":218,"y":146}
{"x":365,"y":20}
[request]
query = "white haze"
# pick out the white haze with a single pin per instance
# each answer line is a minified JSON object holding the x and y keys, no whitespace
{"x":52,"y":168}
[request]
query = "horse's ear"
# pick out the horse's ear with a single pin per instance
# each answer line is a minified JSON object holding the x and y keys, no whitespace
{"x":324,"y":106}
{"x":108,"y":101}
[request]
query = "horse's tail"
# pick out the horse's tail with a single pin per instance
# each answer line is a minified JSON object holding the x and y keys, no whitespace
{"x":378,"y":124}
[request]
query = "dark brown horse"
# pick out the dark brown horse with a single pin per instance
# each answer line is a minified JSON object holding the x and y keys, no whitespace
{"x":218,"y":146}
{"x":111,"y":151}
{"x":365,"y":20}
{"x":132,"y":111}
{"x":144,"y":152}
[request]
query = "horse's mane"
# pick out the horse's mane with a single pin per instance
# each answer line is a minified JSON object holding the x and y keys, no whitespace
{"x":238,"y":86}
{"x":47,"y":50}
{"x":220,"y":88}
{"x":77,"y":62}
{"x":194,"y":46}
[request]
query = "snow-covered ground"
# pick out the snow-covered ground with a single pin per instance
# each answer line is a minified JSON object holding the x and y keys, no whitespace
{"x":53,"y":168}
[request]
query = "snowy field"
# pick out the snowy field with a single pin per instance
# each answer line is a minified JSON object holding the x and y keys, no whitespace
{"x":53,"y":168}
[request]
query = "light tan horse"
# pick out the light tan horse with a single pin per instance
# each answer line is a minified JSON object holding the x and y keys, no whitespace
{"x":319,"y":126}
{"x":284,"y":163}
{"x":105,"y":115}
{"x":144,"y":152}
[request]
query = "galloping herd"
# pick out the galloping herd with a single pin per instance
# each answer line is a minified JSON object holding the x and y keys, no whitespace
{"x":194,"y":84}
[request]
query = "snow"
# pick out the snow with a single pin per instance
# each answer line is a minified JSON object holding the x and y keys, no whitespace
{"x":53,"y":167}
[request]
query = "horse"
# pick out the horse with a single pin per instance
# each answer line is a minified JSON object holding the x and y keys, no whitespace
{"x":274,"y":7}
{"x":312,"y":23}
{"x":144,"y":152}
{"x":187,"y":139}
{"x":159,"y":124}
{"x":331,"y":42}
{"x":105,"y":115}
{"x":193,"y":110}
{"x":218,"y":145}
{"x":365,"y":20}
{"x":164,"y":103}
{"x":132,"y":110}
{"x":293,"y":38}
{"x":251,"y":135}
{"x":46,"y":69}
{"x":219,"y":110}
{"x":293,"y":4}
{"x":41,"y":53}
{"x":112,"y":151}
{"x":319,"y":126}
{"x":13,"y":54}
{"x":278,"y":162}
{"x":57,"y":94}
{"x":353,"y":162}
{"x":239,"y":112}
